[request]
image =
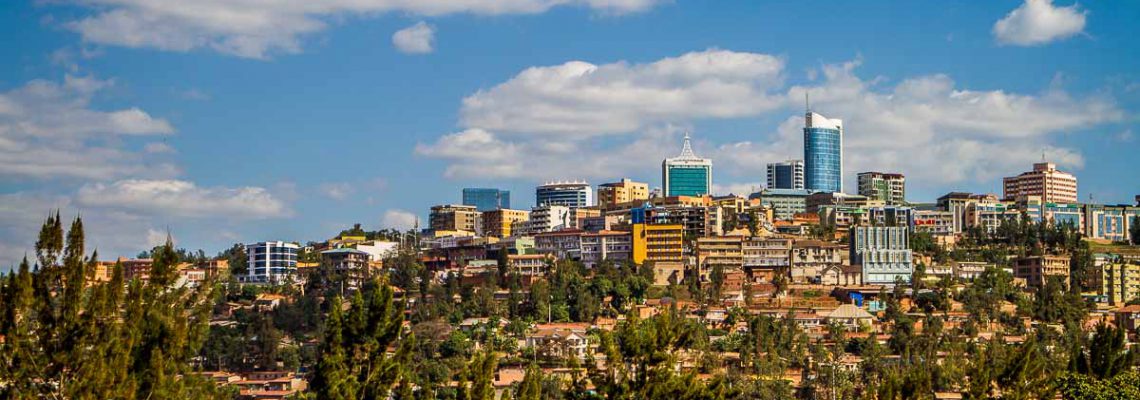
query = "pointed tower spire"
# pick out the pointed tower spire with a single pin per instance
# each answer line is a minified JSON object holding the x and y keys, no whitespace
{"x":807,"y":101}
{"x":687,"y":148}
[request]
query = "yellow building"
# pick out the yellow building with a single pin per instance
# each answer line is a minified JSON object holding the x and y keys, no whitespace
{"x":622,"y":192}
{"x":1119,"y":282}
{"x":658,"y":243}
{"x":497,"y":223}
{"x":724,"y":251}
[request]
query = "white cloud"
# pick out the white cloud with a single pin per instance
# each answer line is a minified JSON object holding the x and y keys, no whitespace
{"x":738,"y":188}
{"x":48,"y":130}
{"x":398,"y":219}
{"x":415,"y":39}
{"x":258,"y":28}
{"x":544,"y":123}
{"x":584,"y":99}
{"x":336,"y":190}
{"x":1038,"y":22}
{"x":158,"y":148}
{"x":176,"y":198}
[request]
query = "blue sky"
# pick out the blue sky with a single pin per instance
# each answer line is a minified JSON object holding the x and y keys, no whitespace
{"x":228,"y":123}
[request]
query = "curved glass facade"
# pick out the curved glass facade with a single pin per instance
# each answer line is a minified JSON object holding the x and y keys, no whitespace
{"x":823,"y":159}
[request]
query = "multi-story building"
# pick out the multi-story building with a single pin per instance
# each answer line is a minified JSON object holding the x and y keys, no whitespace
{"x":498,"y":223}
{"x":623,"y":191}
{"x":937,"y":222}
{"x":529,"y":264}
{"x":272,"y":261}
{"x":1037,"y":269}
{"x":1119,"y":282}
{"x":763,"y":257}
{"x":885,"y":187}
{"x":1110,"y":222}
{"x":698,"y":221}
{"x":487,"y":199}
{"x":1054,"y":213}
{"x":1046,"y":181}
{"x":663,"y":247}
{"x":989,"y":216}
{"x":719,"y":251}
{"x":453,"y":217}
{"x":816,"y":200}
{"x":784,"y":203}
{"x":564,"y":245}
{"x":606,"y":245}
{"x":548,"y":218}
{"x":686,"y":174}
{"x":883,"y":252}
{"x":811,"y":257}
{"x":958,"y":203}
{"x":573,"y":194}
{"x":348,"y":264}
{"x":823,"y":153}
{"x":786,"y":175}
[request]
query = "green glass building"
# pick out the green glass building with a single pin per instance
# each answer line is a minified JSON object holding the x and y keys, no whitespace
{"x":686,"y":174}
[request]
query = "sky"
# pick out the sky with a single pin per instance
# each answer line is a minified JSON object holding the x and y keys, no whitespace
{"x":223,"y":121}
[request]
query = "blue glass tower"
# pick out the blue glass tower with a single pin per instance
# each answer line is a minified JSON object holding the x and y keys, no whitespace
{"x":686,"y":174}
{"x":823,"y":153}
{"x":486,"y":199}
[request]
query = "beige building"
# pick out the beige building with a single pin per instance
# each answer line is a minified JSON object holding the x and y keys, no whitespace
{"x":1037,"y":269}
{"x":1119,"y":282}
{"x":723,"y":251}
{"x":811,"y":257}
{"x":622,"y":192}
{"x":453,"y":217}
{"x":1053,"y":185}
{"x":498,"y":223}
{"x":763,"y":256}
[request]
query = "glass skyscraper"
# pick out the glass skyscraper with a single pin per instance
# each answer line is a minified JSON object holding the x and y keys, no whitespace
{"x":786,"y":175}
{"x":686,"y":174}
{"x":486,"y":199}
{"x":573,"y":194}
{"x":823,"y":153}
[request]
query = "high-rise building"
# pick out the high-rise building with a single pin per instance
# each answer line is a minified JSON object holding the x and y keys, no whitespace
{"x":1045,"y":180}
{"x":823,"y":153}
{"x":622,"y":192}
{"x":453,"y":217}
{"x":486,"y":199}
{"x":274,"y":262}
{"x":686,"y":174}
{"x":498,"y":223}
{"x":889,"y":188}
{"x":786,"y":175}
{"x":572,"y":194}
{"x":883,"y":252}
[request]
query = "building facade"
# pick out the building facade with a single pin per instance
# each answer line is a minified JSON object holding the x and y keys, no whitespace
{"x":574,"y":194}
{"x":624,"y":191}
{"x":549,"y":218}
{"x":498,"y":223}
{"x":606,"y":246}
{"x":686,"y":174}
{"x":883,"y":252}
{"x":784,"y":203}
{"x":486,"y":199}
{"x":1037,"y":269}
{"x":786,"y":175}
{"x":272,"y":262}
{"x":886,"y":187}
{"x":823,"y":153}
{"x":1110,"y":222}
{"x":1046,"y":181}
{"x":350,"y":265}
{"x":453,"y":217}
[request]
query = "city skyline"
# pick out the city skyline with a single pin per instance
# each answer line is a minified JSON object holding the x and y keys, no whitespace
{"x":225,"y":135}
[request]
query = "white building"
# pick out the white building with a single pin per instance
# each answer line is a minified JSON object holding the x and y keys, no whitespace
{"x":272,"y":262}
{"x":883,"y":252}
{"x":573,"y":194}
{"x":547,"y":218}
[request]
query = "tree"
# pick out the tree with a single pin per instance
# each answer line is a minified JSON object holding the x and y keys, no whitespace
{"x":1134,"y":230}
{"x":1106,"y":355}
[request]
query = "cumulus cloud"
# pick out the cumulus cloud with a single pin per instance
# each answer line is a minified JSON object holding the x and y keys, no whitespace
{"x":48,"y":129}
{"x":336,"y":190}
{"x":256,"y":28}
{"x":415,"y":39}
{"x":544,"y":123}
{"x":584,"y":99}
{"x":177,"y":198}
{"x":1038,"y":22}
{"x":398,"y":219}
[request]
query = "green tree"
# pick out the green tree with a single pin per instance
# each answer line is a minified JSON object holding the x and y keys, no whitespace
{"x":1106,"y":356}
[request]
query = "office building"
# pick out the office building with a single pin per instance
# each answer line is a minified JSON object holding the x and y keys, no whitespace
{"x":606,"y":246}
{"x":549,"y":218}
{"x":784,"y":203}
{"x":453,"y":218}
{"x":486,"y":199}
{"x":623,"y":191}
{"x":1046,"y":181}
{"x":686,"y":174}
{"x":1110,"y":222}
{"x":573,"y":194}
{"x":883,"y":252}
{"x":786,"y":175}
{"x":888,"y":188}
{"x":658,"y":243}
{"x":1036,"y":270}
{"x":823,"y":153}
{"x":499,"y":223}
{"x":272,"y":262}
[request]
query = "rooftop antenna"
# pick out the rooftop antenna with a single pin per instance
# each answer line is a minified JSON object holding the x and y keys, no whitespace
{"x":807,"y":101}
